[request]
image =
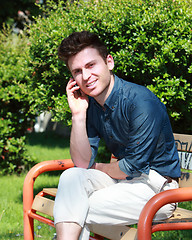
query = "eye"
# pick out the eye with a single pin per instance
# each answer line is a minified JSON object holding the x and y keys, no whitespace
{"x":91,"y":65}
{"x":77,"y":71}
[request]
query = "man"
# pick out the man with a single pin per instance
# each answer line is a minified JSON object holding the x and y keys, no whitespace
{"x":136,"y":129}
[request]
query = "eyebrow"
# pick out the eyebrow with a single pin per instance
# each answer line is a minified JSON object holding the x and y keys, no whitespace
{"x":86,"y":65}
{"x":89,"y":63}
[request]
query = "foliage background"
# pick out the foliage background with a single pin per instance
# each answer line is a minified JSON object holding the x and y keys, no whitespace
{"x":149,"y":40}
{"x":15,"y":102}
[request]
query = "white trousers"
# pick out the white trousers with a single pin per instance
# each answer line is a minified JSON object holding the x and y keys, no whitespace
{"x":92,"y":197}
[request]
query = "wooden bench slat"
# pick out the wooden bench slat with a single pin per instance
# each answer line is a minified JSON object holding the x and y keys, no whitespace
{"x":182,"y":213}
{"x":114,"y":232}
{"x":43,"y":205}
{"x":183,"y":142}
{"x":50,"y":191}
{"x":185,"y":180}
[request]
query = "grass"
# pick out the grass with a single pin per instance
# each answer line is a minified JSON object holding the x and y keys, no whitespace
{"x":11,"y":207}
{"x":42,"y":146}
{"x":46,"y":146}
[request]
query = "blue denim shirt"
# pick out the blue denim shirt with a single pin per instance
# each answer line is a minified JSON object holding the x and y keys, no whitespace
{"x":136,"y":129}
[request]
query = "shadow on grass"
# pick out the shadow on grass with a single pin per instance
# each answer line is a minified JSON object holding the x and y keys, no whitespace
{"x":47,"y":139}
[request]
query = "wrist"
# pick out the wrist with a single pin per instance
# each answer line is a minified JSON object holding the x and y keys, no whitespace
{"x":99,"y":166}
{"x":79,"y":116}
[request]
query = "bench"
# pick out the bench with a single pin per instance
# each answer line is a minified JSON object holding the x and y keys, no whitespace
{"x":182,"y":218}
{"x":41,"y":207}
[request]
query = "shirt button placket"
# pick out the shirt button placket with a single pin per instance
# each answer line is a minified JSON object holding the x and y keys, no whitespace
{"x":108,"y":127}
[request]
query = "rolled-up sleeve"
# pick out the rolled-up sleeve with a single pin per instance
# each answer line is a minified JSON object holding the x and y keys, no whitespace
{"x":145,"y":126}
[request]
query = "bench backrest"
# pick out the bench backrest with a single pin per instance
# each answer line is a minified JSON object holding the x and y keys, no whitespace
{"x":184,"y":146}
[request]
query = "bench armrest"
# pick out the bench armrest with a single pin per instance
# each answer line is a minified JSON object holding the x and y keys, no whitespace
{"x":145,"y":228}
{"x":30,"y":178}
{"x":39,"y":168}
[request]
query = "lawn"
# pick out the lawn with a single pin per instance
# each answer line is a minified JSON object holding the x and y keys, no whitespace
{"x":45,"y":146}
{"x":42,"y":146}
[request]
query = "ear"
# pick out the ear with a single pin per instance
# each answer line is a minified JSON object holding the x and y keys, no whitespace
{"x":110,"y":62}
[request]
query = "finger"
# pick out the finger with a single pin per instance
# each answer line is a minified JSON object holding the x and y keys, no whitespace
{"x":71,"y":83}
{"x":73,"y":91}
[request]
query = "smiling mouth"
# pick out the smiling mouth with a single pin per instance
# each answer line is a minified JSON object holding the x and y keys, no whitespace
{"x":91,"y":84}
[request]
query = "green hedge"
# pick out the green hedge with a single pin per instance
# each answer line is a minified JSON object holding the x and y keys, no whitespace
{"x":151,"y":42}
{"x":15,"y":101}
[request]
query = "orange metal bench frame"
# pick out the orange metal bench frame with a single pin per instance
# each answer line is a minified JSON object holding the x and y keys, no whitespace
{"x":145,"y":227}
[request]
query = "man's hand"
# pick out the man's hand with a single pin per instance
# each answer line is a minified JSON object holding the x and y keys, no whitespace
{"x":111,"y":169}
{"x":77,"y":99}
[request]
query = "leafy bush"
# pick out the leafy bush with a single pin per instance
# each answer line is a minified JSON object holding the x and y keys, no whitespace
{"x":149,"y":40}
{"x":15,"y":101}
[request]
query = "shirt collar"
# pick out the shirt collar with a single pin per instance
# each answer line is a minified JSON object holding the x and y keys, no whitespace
{"x":112,"y":99}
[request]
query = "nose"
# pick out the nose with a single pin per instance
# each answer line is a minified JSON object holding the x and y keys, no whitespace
{"x":86,"y":74}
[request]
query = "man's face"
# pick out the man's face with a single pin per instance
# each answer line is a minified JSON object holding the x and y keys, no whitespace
{"x":91,"y":73}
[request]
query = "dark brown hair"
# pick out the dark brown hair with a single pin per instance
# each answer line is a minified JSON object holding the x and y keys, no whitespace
{"x":77,"y":41}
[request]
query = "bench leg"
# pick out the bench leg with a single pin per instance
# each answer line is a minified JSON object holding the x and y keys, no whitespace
{"x":27,"y":203}
{"x":28,"y":227}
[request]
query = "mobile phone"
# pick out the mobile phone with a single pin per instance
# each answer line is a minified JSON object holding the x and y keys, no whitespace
{"x":78,"y":90}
